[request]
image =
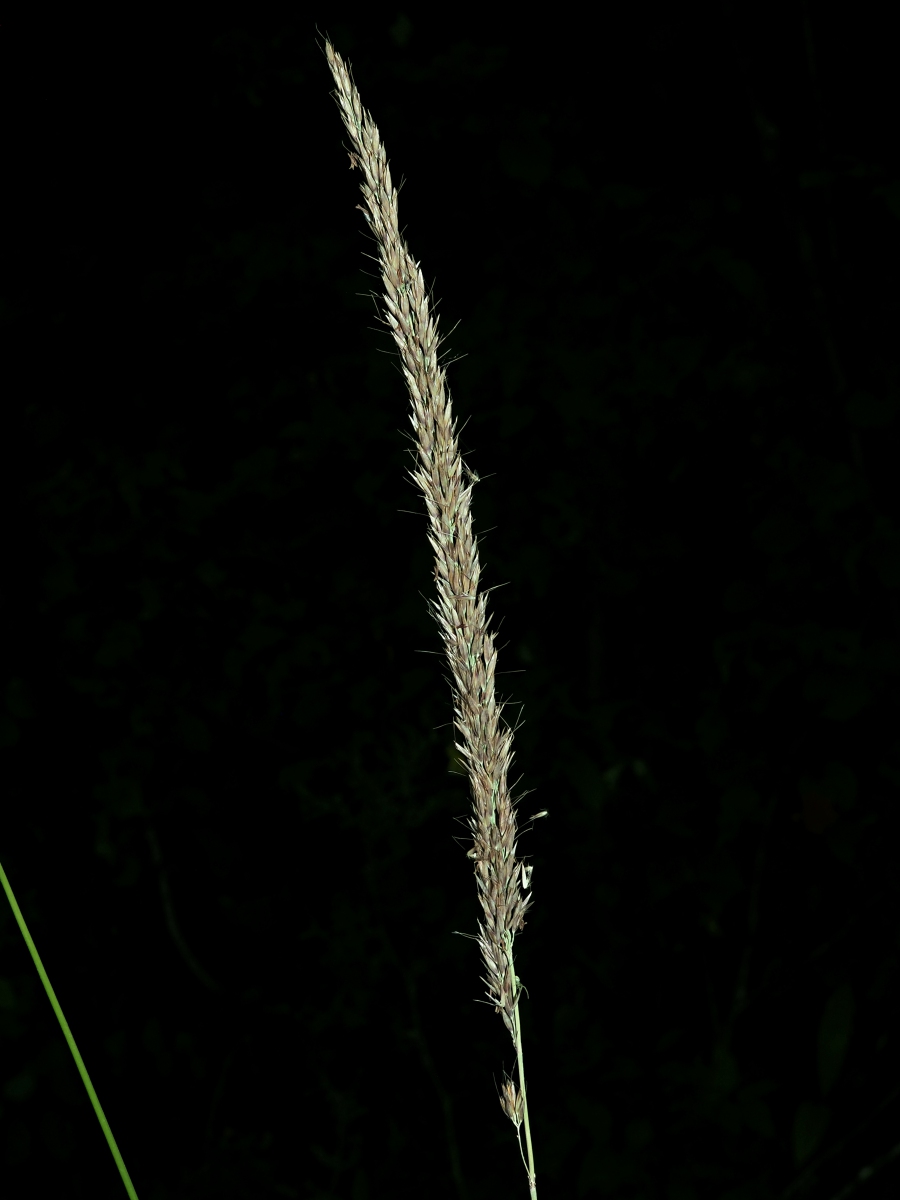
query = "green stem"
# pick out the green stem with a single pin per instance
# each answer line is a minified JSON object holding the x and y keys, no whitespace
{"x":67,"y":1034}
{"x":532,"y":1179}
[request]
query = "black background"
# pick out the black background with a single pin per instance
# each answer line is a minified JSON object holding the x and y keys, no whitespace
{"x":669,"y":236}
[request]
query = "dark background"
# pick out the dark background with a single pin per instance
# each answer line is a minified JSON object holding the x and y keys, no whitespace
{"x":670,"y":239}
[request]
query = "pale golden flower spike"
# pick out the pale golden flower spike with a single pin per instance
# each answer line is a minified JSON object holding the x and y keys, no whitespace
{"x":485,"y":745}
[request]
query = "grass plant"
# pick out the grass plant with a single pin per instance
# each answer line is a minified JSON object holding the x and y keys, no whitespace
{"x":67,"y":1034}
{"x":485,"y":739}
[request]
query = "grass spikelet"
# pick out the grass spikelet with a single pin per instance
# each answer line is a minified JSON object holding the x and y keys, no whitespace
{"x":485,"y":740}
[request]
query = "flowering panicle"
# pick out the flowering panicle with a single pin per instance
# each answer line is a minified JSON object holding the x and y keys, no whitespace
{"x":485,"y":740}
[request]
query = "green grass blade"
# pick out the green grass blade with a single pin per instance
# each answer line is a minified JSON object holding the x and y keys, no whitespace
{"x":67,"y":1033}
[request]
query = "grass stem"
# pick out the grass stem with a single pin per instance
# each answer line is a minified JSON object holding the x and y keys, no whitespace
{"x":520,"y":1062}
{"x":67,"y":1034}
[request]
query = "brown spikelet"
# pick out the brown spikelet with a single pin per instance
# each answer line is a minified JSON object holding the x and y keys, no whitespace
{"x":512,"y":1103}
{"x":485,"y":740}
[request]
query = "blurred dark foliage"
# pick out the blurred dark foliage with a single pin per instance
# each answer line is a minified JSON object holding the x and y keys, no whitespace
{"x":670,"y":239}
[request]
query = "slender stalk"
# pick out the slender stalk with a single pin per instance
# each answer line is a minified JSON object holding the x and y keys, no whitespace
{"x":520,"y":1062}
{"x":503,"y":882}
{"x":67,"y":1034}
